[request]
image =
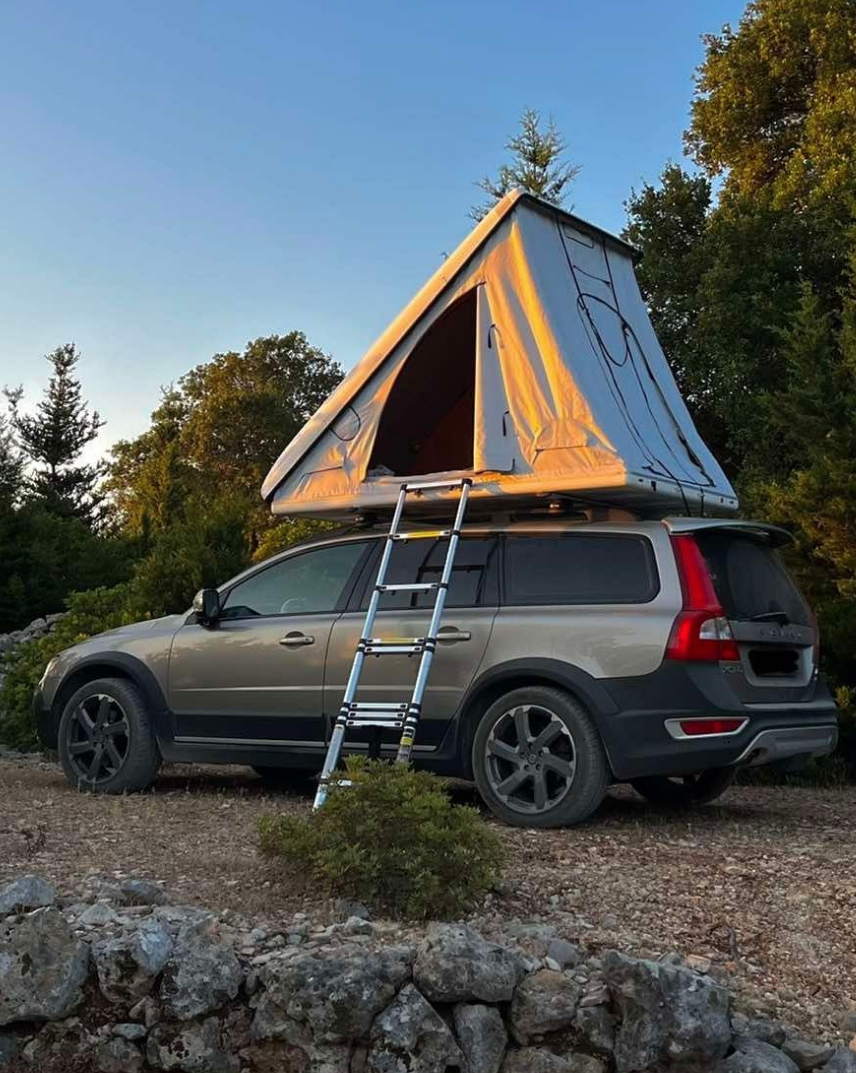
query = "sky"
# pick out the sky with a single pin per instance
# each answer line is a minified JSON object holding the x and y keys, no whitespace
{"x":177,"y":178}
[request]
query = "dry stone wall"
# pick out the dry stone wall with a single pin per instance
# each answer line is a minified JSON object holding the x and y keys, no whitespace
{"x":124,"y":982}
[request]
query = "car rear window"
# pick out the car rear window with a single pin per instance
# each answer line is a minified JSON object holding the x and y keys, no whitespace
{"x":750,"y":579}
{"x":580,"y":568}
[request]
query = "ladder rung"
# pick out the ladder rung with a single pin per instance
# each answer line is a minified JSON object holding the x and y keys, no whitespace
{"x":378,"y":706}
{"x":396,"y":723}
{"x":423,"y":586}
{"x":423,"y":534}
{"x":411,"y":646}
{"x":429,"y":485}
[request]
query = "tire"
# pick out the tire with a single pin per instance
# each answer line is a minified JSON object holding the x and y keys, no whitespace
{"x":110,"y":713}
{"x":688,"y":790}
{"x":284,"y":777}
{"x":521,"y":788}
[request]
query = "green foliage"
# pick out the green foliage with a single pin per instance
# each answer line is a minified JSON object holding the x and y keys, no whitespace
{"x":775,"y":105}
{"x":283,"y":534}
{"x":216,"y":434}
{"x":392,"y":839}
{"x":537,"y":166}
{"x":88,"y":613}
{"x":45,"y":555}
{"x":52,"y":440}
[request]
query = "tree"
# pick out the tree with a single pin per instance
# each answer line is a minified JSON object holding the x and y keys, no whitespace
{"x":11,"y":465}
{"x":537,"y":166}
{"x":775,"y":104}
{"x":217,"y":432}
{"x":54,"y":437}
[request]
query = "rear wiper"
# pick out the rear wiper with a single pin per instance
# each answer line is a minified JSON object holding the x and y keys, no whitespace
{"x":771,"y":616}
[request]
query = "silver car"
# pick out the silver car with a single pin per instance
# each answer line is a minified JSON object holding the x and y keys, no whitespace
{"x":667,"y":654}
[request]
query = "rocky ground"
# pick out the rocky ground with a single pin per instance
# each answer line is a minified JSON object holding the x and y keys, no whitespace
{"x":760,"y":890}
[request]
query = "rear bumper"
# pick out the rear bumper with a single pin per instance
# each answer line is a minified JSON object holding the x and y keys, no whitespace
{"x":784,"y":743}
{"x":639,"y":744}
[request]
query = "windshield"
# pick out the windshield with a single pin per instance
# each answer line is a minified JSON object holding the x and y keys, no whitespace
{"x":750,"y":579}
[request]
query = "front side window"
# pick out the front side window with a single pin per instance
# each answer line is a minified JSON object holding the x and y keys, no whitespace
{"x":579,"y":568}
{"x":312,"y":582}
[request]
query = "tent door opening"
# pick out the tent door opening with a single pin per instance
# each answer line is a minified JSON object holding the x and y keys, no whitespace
{"x":428,"y":422}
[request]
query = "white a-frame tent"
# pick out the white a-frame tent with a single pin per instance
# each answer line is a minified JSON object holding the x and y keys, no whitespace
{"x":527,"y":362}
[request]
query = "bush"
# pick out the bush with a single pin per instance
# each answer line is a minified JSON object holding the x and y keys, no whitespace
{"x":88,"y":613}
{"x":392,"y":839}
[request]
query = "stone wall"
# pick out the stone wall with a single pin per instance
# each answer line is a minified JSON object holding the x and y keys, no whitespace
{"x":122,"y":981}
{"x":37,"y":629}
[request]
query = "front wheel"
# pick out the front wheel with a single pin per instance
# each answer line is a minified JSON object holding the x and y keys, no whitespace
{"x":687,"y":789}
{"x":106,"y":738}
{"x":538,"y":759}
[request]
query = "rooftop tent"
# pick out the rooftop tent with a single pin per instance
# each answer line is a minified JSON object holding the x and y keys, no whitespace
{"x":527,"y":362}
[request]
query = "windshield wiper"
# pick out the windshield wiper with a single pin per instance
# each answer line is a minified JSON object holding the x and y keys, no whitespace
{"x":771,"y":616}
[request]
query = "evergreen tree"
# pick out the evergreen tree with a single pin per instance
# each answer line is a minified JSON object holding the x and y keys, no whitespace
{"x":53,"y":439}
{"x":537,"y":166}
{"x":11,"y":464}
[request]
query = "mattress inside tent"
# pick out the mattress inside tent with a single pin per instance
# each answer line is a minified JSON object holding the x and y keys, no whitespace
{"x":527,"y":363}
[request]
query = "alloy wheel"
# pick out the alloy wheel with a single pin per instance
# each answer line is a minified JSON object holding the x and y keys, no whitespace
{"x":530,"y":759}
{"x":97,"y":739}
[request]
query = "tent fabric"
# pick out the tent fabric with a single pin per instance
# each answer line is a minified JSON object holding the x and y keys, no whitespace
{"x":532,"y":343}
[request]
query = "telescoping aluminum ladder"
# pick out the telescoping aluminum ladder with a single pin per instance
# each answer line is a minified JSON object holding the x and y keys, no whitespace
{"x":396,"y":715}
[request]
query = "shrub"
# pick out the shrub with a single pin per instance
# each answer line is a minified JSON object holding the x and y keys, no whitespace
{"x":88,"y":613}
{"x":393,"y":839}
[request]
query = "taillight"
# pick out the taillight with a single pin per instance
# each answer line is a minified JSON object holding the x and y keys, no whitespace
{"x":701,"y":631}
{"x":705,"y":726}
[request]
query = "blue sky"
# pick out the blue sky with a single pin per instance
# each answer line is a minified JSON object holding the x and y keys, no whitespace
{"x":178,"y":178}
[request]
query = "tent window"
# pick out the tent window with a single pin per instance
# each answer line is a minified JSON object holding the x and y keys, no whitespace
{"x":428,"y":421}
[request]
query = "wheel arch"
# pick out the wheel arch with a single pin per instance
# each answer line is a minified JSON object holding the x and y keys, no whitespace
{"x":114,"y":665}
{"x":516,"y":674}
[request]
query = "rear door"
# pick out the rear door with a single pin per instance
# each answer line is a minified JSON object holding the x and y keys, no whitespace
{"x":771,"y":621}
{"x":471,"y":607}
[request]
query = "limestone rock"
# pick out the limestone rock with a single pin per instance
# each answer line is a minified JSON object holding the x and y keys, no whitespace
{"x":668,"y":1014}
{"x":807,"y":1055}
{"x":755,"y":1056}
{"x":191,"y":1048}
{"x":337,"y":998}
{"x":43,"y":968}
{"x":842,"y":1061}
{"x":455,"y":964}
{"x":411,"y":1037}
{"x":129,"y":964}
{"x":595,"y":1026}
{"x":540,"y":1060}
{"x":481,"y":1036}
{"x":117,"y":1055}
{"x":201,"y":975}
{"x":28,"y":892}
{"x":544,"y":1002}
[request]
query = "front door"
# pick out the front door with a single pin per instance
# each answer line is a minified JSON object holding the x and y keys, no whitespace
{"x":257,"y":675}
{"x":470,"y":610}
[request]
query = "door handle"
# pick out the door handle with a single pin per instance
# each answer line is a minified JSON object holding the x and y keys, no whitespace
{"x":449,"y":633}
{"x":296,"y":639}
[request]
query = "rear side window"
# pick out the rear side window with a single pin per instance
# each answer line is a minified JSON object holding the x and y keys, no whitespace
{"x":750,"y":580}
{"x":580,"y":568}
{"x":474,"y":575}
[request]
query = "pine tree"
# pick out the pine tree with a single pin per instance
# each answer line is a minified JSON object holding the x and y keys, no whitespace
{"x":536,"y":166}
{"x":54,"y":437}
{"x":11,"y":464}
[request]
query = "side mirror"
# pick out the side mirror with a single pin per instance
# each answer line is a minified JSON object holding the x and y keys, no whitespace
{"x":206,"y":604}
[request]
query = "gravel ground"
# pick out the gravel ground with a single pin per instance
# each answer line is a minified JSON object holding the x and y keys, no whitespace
{"x":763,"y":884}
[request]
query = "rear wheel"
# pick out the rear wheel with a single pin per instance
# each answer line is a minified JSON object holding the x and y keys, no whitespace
{"x":106,"y":738}
{"x":685,"y":790}
{"x":538,"y":759}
